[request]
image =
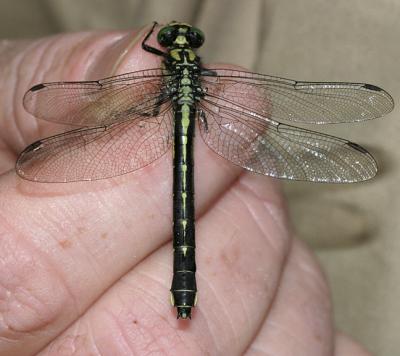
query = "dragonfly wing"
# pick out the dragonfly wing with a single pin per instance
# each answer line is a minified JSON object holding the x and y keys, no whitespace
{"x":98,"y":152}
{"x":307,"y":102}
{"x":271,"y":148}
{"x":97,"y":103}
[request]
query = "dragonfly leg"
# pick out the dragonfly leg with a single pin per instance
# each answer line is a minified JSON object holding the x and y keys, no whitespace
{"x":149,"y":48}
{"x":203,"y":119}
{"x":157,"y":105}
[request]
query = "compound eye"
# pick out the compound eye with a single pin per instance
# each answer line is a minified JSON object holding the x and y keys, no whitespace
{"x":195,"y":37}
{"x":167,"y":35}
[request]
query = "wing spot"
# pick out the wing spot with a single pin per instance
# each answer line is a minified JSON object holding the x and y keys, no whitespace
{"x":37,"y":87}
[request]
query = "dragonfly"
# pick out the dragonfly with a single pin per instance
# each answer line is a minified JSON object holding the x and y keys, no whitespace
{"x":128,"y":121}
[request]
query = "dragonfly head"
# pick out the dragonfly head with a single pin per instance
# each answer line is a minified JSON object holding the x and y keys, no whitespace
{"x":178,"y":34}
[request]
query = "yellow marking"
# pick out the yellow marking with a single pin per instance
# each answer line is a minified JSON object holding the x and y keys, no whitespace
{"x":195,"y":300}
{"x":184,"y":153}
{"x":176,"y":54}
{"x":184,"y":224}
{"x":174,"y":23}
{"x":186,"y":90}
{"x":184,"y":250}
{"x":192,"y":55}
{"x":185,"y":118}
{"x":184,"y":196}
{"x":180,"y":40}
{"x":185,"y":126}
{"x":172,"y":299}
{"x":184,"y":170}
{"x":185,"y":81}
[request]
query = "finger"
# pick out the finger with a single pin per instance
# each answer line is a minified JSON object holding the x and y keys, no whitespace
{"x":76,"y":56}
{"x":241,"y":250}
{"x":300,"y":319}
{"x":63,"y":245}
{"x":345,"y":346}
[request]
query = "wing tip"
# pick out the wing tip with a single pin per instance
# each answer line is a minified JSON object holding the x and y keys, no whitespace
{"x":389,"y":98}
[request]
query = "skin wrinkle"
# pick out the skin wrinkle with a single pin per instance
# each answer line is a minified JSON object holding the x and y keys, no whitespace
{"x":316,"y":276}
{"x":92,"y":260}
{"x":122,"y":332}
{"x":93,"y":342}
{"x":42,"y":47}
{"x":149,"y":334}
{"x":144,"y":299}
{"x":257,"y":351}
{"x":268,"y":205}
{"x":213,"y":202}
{"x":235,"y":288}
{"x":286,"y":267}
{"x":160,"y":282}
{"x":286,"y":332}
{"x":77,"y":306}
{"x":236,"y":182}
{"x":145,"y":293}
{"x":207,"y":283}
{"x":45,"y":259}
{"x":13,"y":100}
{"x":147,"y":192}
{"x":251,"y":212}
{"x":69,"y":343}
{"x":19,"y":57}
{"x":282,"y":268}
{"x":278,"y":223}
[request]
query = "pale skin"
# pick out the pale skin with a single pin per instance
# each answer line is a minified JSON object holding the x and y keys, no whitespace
{"x":86,"y":267}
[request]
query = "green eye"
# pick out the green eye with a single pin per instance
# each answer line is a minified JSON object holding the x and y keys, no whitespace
{"x":166,"y":36}
{"x":195,"y":37}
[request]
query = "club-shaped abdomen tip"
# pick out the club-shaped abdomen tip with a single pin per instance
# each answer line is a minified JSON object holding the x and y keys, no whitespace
{"x":184,"y":312}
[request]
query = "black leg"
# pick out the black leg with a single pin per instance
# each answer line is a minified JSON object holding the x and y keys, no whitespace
{"x":203,"y":119}
{"x":149,"y":48}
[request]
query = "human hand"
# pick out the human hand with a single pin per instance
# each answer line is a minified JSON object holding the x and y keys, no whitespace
{"x":86,"y":267}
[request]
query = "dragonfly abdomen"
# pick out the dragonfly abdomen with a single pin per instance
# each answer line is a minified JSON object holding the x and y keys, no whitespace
{"x":183,"y":287}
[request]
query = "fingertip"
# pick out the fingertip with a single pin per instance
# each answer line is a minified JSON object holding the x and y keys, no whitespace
{"x":345,"y":345}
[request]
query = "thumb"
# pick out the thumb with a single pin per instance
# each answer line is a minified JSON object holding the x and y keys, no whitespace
{"x":64,"y":57}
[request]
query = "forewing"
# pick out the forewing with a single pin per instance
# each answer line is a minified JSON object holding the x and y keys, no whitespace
{"x":265,"y":146}
{"x":99,"y":152}
{"x":102,"y":102}
{"x":307,"y":102}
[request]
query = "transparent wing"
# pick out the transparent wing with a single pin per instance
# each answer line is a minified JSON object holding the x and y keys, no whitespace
{"x":99,"y":152}
{"x":308,"y":102}
{"x":271,"y":148}
{"x":102,"y":102}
